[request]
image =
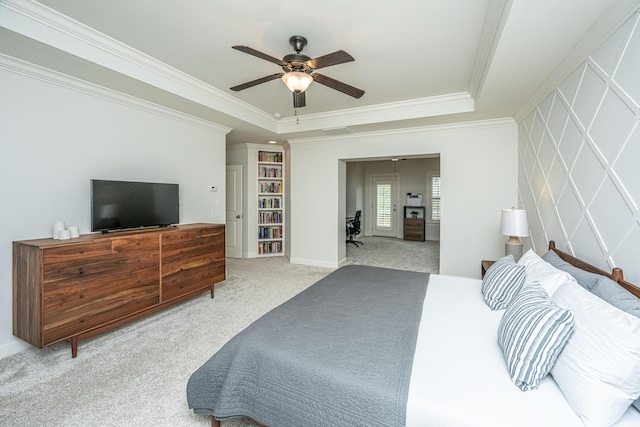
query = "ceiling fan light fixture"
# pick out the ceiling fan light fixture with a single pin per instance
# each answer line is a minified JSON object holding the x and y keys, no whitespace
{"x":297,"y":81}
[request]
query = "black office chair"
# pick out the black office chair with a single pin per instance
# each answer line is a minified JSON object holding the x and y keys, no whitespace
{"x":353,"y":229}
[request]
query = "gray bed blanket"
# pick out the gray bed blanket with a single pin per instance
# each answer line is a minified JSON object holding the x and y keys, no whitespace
{"x":337,"y":354}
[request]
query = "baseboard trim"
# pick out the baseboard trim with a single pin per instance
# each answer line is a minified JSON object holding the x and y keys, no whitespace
{"x":13,"y":347}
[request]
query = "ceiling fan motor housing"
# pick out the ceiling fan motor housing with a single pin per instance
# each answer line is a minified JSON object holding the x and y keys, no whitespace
{"x":297,"y":62}
{"x":298,"y":43}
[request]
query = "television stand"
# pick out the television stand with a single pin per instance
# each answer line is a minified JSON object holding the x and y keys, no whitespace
{"x":74,"y":289}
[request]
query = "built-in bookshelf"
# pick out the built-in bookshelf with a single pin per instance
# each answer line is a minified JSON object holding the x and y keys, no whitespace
{"x":270,"y":203}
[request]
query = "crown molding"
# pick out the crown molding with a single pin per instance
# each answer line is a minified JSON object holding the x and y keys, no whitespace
{"x":36,"y":21}
{"x":451,"y":127}
{"x":36,"y":72}
{"x":495,"y":19}
{"x":611,"y":20}
{"x":403,"y":110}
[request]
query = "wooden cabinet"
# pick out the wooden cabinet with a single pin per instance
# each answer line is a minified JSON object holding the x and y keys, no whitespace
{"x":414,"y":229}
{"x":72,"y":289}
{"x":414,"y":223}
{"x":190,"y":261}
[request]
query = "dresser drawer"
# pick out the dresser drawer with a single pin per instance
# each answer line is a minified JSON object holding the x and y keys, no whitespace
{"x":135,"y":244}
{"x":76,"y":308}
{"x":176,"y":239}
{"x":73,"y":252}
{"x":195,"y":275}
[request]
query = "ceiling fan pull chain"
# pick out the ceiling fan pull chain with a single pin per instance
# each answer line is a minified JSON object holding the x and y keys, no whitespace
{"x":295,"y":113}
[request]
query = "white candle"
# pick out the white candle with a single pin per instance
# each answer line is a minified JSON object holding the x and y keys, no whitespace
{"x":58,"y":226}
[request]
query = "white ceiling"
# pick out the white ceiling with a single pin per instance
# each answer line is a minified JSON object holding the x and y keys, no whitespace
{"x":419,"y":62}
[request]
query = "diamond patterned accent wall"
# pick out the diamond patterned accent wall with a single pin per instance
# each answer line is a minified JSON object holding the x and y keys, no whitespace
{"x":579,"y":159}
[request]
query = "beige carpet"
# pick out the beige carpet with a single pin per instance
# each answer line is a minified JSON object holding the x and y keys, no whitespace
{"x":136,"y":375}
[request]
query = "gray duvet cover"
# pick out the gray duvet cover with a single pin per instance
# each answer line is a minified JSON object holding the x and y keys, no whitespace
{"x":337,"y":354}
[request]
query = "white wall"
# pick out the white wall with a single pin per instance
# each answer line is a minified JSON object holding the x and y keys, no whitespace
{"x":355,"y":187}
{"x":478,"y":167}
{"x":58,"y":133}
{"x":579,"y":151}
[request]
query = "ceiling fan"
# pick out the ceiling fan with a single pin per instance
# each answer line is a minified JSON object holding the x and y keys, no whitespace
{"x":299,"y":71}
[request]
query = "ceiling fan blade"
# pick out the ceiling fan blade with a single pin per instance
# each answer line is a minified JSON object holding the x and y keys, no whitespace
{"x":335,"y":58}
{"x":251,"y":51}
{"x":257,"y":82}
{"x":337,"y":85}
{"x":299,"y":100}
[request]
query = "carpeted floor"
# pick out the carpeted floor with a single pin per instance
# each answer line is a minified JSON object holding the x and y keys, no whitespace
{"x":136,"y":375}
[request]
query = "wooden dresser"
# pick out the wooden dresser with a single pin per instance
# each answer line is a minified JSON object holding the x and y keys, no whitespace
{"x":72,"y":289}
{"x":414,"y":229}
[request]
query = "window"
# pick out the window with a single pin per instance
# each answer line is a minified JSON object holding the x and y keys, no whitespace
{"x":435,"y":197}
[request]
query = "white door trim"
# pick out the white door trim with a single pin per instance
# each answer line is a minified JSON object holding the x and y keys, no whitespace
{"x":235,"y":216}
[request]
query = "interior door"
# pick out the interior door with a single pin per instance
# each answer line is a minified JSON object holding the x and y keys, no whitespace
{"x":233,"y":229}
{"x":385,"y":205}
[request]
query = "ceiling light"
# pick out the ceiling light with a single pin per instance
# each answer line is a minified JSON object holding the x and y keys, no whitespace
{"x":277,"y":115}
{"x":272,"y":142}
{"x":297,"y":81}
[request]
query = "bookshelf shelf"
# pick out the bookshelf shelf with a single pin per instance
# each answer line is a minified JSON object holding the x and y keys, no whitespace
{"x":270,"y":222}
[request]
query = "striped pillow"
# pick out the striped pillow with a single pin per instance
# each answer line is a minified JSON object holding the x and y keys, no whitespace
{"x":502,"y":282}
{"x":532,"y":333}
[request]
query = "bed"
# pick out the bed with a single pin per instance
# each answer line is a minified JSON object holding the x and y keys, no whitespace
{"x":372,"y":346}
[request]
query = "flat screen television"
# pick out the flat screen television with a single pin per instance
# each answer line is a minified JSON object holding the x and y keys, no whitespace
{"x":121,"y":205}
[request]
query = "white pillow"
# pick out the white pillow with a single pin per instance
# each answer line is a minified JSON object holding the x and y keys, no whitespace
{"x":538,"y":270}
{"x":599,"y":368}
{"x":532,"y":333}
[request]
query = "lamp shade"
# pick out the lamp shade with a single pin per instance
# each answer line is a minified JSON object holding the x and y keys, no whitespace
{"x":514,"y":223}
{"x":297,"y":81}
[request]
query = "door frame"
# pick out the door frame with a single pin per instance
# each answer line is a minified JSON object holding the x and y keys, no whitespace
{"x":234,"y":217}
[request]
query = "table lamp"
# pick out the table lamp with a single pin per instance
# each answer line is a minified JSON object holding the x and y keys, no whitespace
{"x":514,"y":224}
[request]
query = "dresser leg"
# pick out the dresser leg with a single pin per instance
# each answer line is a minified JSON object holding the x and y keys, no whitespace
{"x":74,"y":346}
{"x":214,"y":422}
{"x":212,"y":286}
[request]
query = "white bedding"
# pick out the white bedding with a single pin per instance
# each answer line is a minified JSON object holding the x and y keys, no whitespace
{"x":459,"y":376}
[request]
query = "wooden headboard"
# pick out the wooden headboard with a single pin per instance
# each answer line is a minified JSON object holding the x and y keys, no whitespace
{"x":616,"y":274}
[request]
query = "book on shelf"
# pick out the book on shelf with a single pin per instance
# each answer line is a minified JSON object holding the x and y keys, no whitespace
{"x":270,"y":232}
{"x":270,"y":187}
{"x":274,"y":247}
{"x":271,"y":217}
{"x":269,"y":203}
{"x":269,"y":157}
{"x":270,"y":172}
